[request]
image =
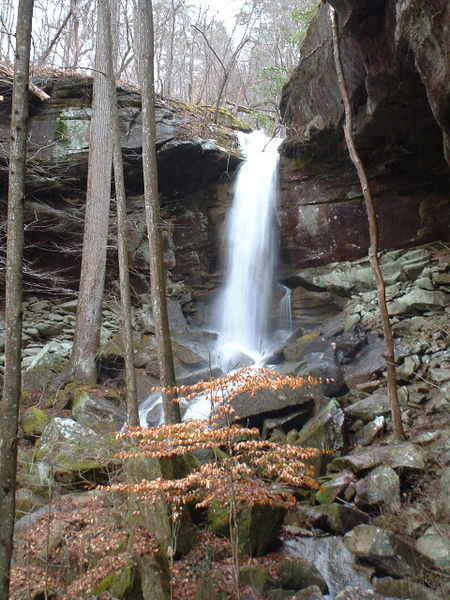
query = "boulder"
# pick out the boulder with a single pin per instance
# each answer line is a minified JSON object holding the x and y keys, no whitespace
{"x":384,"y":550}
{"x":435,"y":545}
{"x":381,"y":487}
{"x":325,"y":431}
{"x":98,"y":410}
{"x":332,"y":559}
{"x":256,"y":576}
{"x":402,"y":456}
{"x":419,"y":300}
{"x":366,"y":435}
{"x":404,"y":588}
{"x":297,"y":573}
{"x":374,"y":405}
{"x":69,"y":448}
{"x":333,"y":485}
{"x":312,"y":592}
{"x":443,"y":498}
{"x":33,"y":421}
{"x":333,"y":518}
{"x":258,"y":525}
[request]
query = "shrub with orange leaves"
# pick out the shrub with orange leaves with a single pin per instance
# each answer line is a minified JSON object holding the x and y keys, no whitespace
{"x":259,"y":471}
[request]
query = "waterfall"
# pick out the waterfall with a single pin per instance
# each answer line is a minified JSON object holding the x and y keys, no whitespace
{"x":286,"y":309}
{"x":246,"y":300}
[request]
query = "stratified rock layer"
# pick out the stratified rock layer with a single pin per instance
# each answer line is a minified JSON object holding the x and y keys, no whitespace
{"x":395,"y":56}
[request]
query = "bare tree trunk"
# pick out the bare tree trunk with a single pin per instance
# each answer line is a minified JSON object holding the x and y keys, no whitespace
{"x":374,"y":236}
{"x":121,"y":203}
{"x":93,"y":265}
{"x":158,"y":282}
{"x":9,"y":408}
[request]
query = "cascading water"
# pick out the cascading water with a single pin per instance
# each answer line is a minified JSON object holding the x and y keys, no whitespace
{"x":247,"y":296}
{"x":245,"y":325}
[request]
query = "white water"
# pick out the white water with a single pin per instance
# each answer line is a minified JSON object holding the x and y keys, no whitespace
{"x":246,"y":300}
{"x":244,"y":320}
{"x":286,"y":309}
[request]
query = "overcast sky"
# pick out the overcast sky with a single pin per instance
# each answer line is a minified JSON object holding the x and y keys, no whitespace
{"x":226,"y":9}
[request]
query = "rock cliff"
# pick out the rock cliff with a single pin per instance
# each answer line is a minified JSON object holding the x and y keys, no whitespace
{"x":195,"y":162}
{"x":396,"y":61}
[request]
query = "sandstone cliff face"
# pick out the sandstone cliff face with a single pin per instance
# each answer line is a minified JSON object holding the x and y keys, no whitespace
{"x":396,"y":62}
{"x":196,"y":160}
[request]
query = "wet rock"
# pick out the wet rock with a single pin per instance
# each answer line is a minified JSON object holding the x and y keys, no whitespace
{"x":403,"y":456}
{"x":297,"y":573}
{"x":381,"y":487}
{"x":368,"y":362}
{"x":354,"y":593}
{"x":435,"y":545}
{"x":332,"y":559}
{"x":384,"y":550}
{"x":295,"y":350}
{"x":403,"y":588}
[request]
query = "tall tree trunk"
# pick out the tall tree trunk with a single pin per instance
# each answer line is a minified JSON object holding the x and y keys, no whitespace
{"x":399,"y":433}
{"x":121,"y":204}
{"x":144,"y":23}
{"x":93,"y":264}
{"x":9,"y":408}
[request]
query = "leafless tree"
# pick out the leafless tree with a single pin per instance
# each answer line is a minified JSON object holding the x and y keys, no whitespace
{"x":124,"y":278}
{"x":374,"y":235}
{"x":9,"y":408}
{"x":92,"y":278}
{"x":144,"y":35}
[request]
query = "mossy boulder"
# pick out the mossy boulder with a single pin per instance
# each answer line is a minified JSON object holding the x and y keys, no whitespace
{"x":98,"y":409}
{"x":70,"y":448}
{"x":27,"y":501}
{"x":256,"y":576}
{"x":258,"y":525}
{"x":34,"y":420}
{"x":123,"y":583}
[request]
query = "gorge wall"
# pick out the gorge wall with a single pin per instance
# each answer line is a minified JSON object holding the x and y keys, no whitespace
{"x":196,"y":160}
{"x":395,"y":57}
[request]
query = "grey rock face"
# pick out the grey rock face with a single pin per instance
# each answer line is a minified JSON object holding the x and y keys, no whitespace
{"x":333,"y":560}
{"x":384,"y":550}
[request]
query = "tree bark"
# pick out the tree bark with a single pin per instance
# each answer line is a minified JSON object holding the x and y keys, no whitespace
{"x":144,"y":35}
{"x":399,"y":433}
{"x":9,"y":408}
{"x":93,"y":264}
{"x":121,"y":204}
